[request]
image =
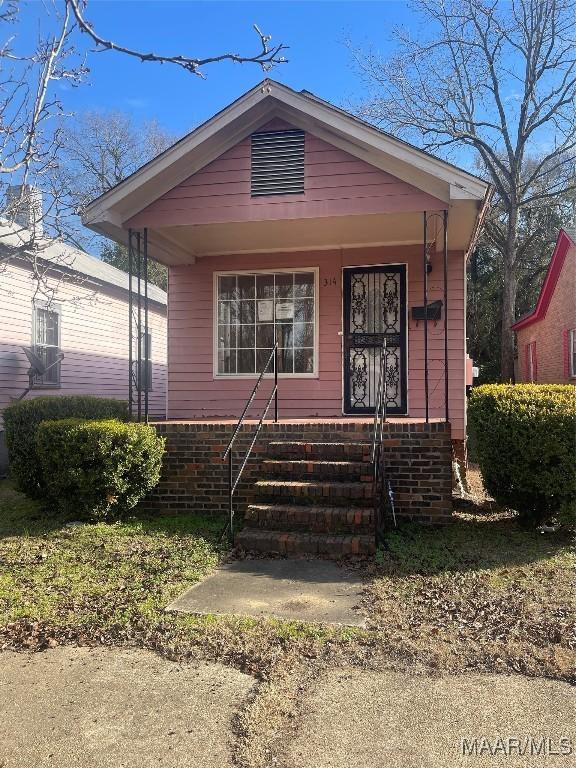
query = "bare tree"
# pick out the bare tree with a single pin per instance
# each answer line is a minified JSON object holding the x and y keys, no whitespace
{"x":499,"y":78}
{"x":33,"y":116}
{"x":101,"y":149}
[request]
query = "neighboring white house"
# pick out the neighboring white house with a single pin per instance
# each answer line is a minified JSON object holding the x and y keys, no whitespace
{"x":82,"y":313}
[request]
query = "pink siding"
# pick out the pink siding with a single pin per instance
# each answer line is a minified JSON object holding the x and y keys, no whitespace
{"x":336,"y":183}
{"x":548,"y":337}
{"x":194,"y":392}
{"x":94,"y":339}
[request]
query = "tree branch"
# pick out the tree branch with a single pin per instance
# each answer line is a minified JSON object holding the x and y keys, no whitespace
{"x":268,"y":57}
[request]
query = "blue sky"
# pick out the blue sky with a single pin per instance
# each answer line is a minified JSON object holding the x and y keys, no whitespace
{"x":315,"y":31}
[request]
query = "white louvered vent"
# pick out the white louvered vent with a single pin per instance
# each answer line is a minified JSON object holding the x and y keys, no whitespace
{"x":277,"y":163}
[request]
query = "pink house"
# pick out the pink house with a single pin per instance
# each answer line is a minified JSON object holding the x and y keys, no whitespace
{"x":285,"y":220}
{"x":75,"y":321}
{"x":546,"y":337}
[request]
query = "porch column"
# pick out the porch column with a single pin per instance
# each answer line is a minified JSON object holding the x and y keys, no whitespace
{"x":441,"y":220}
{"x":445,"y":259}
{"x":138,"y":324}
{"x":425,"y":286}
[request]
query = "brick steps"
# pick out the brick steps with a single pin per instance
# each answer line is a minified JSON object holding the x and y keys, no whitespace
{"x":334,"y":451}
{"x":314,"y":519}
{"x":317,"y":470}
{"x":312,"y":498}
{"x":334,"y":493}
{"x":293,"y":543}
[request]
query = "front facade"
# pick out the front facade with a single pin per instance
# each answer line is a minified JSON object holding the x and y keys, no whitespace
{"x":546,"y":337}
{"x":286,"y":221}
{"x":79,"y":313}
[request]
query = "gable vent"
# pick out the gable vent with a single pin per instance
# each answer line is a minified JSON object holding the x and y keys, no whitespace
{"x":277,"y":163}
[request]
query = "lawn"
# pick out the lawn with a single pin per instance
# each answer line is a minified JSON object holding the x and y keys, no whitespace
{"x":482,"y":594}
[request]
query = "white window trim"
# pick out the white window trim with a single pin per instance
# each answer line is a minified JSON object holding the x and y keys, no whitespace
{"x":571,"y":342}
{"x":280,"y":270}
{"x":57,"y":309}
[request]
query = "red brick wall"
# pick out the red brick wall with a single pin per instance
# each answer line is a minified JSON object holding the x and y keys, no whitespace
{"x":549,"y":332}
{"x":194,"y":478}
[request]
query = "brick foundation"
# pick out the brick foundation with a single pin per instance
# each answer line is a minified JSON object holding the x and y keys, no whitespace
{"x":194,"y":478}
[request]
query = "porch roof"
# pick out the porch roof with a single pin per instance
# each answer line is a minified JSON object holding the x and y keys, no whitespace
{"x":443,"y":185}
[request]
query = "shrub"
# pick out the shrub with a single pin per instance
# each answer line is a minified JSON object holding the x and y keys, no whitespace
{"x":22,"y":419}
{"x":525,"y":441}
{"x":98,"y":469}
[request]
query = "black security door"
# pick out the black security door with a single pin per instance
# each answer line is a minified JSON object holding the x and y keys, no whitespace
{"x":374,"y":309}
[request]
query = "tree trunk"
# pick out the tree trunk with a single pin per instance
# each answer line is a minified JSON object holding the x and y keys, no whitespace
{"x":509,"y":292}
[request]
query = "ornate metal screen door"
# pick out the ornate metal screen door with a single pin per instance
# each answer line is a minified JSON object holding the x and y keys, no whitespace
{"x":374,"y":308}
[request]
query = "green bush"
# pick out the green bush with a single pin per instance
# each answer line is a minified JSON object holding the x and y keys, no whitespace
{"x":525,"y":442}
{"x":21,"y":421}
{"x":98,"y":469}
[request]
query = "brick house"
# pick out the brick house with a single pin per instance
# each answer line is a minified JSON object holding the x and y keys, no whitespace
{"x":287,"y":224}
{"x":546,"y":337}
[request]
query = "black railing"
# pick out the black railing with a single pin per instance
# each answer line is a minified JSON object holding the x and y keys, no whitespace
{"x":228,"y":453}
{"x":383,"y":494}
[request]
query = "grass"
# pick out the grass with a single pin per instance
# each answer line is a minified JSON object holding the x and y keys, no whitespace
{"x":481,"y":594}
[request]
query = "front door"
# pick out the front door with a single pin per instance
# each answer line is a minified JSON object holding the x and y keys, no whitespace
{"x":374,"y":309}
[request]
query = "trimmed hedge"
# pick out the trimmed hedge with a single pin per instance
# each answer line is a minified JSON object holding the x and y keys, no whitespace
{"x":98,"y":469}
{"x":21,"y":421}
{"x":525,"y":440}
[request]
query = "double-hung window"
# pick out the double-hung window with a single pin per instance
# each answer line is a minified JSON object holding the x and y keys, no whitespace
{"x":572,"y":352}
{"x":256,"y":310}
{"x":46,"y":342}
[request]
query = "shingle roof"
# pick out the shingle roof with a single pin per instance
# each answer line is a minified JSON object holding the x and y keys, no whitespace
{"x":73,"y":259}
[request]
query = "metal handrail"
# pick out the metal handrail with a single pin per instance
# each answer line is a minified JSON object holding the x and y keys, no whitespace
{"x":233,"y":484}
{"x":381,"y":486}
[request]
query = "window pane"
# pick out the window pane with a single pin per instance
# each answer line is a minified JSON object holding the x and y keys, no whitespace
{"x":227,"y":361}
{"x":226,"y":336}
{"x":284,"y":335}
{"x":246,"y":286}
{"x":265,"y":335}
{"x":284,"y":286}
{"x":303,"y":361}
{"x":284,"y":311}
{"x":227,"y":287}
{"x":285,"y":361}
{"x":265,"y":311}
{"x":246,"y":361}
{"x":303,"y":334}
{"x":52,"y":328}
{"x":246,"y":336}
{"x":304,"y":284}
{"x":246,"y":311}
{"x":304,"y":311}
{"x":228,"y":312}
{"x":262,"y":356}
{"x":265,"y":286}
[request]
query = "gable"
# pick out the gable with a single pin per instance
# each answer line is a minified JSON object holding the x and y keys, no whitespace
{"x":335,"y":183}
{"x":560,"y":278}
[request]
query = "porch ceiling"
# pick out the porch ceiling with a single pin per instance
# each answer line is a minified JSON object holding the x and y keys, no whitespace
{"x":184,"y":244}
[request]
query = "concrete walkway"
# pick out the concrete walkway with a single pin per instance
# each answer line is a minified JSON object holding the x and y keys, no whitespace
{"x":380,"y":720}
{"x":84,"y":708}
{"x":296,"y":590}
